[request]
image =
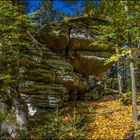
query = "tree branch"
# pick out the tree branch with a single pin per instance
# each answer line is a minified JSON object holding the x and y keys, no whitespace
{"x":34,"y":40}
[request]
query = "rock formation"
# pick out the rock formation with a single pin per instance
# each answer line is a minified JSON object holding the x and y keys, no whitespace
{"x":57,"y":73}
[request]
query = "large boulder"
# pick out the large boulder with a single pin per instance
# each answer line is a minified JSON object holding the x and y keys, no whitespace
{"x":83,"y":39}
{"x":74,"y":40}
{"x":89,"y":63}
{"x":54,"y":37}
{"x":55,"y":70}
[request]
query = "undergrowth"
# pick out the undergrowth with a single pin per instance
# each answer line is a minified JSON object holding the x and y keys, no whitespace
{"x":103,"y":119}
{"x":66,"y":123}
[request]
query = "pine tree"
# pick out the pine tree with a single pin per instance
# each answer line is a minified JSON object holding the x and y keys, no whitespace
{"x":14,"y":42}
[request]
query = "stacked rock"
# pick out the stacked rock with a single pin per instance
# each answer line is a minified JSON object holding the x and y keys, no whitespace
{"x":55,"y":74}
{"x":49,"y":82}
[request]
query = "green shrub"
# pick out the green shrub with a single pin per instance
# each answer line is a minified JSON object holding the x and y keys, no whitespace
{"x":60,"y":124}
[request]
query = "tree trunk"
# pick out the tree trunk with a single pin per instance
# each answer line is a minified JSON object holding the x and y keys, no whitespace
{"x":119,"y":75}
{"x":119,"y":81}
{"x":133,"y":79}
{"x":133,"y":88}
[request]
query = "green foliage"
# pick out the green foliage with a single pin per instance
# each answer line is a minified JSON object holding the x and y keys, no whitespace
{"x":3,"y":115}
{"x":46,"y":12}
{"x":67,"y":127}
{"x":66,"y":19}
{"x":59,"y":124}
{"x":121,"y":24}
{"x":116,"y":57}
{"x":14,"y":42}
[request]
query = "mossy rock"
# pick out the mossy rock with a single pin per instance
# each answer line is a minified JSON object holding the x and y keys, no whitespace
{"x":69,"y":80}
{"x":48,"y":38}
{"x":40,"y":88}
{"x":50,"y":55}
{"x":61,"y":42}
{"x":51,"y":95}
{"x":78,"y":43}
{"x":50,"y":104}
{"x":40,"y":75}
{"x":29,"y":64}
{"x":54,"y":39}
{"x":58,"y":64}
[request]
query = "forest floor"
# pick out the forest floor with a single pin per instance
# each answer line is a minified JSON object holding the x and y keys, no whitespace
{"x":112,"y":120}
{"x":109,"y":119}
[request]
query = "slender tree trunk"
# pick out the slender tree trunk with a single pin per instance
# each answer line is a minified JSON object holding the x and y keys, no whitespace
{"x":133,"y":88}
{"x":119,"y":75}
{"x":119,"y":81}
{"x":133,"y":84}
{"x":133,"y":79}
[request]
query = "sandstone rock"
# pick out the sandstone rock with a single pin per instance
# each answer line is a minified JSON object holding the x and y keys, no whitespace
{"x":89,"y":63}
{"x":52,"y":102}
{"x":48,"y":38}
{"x":58,"y":65}
{"x":39,"y":75}
{"x":72,"y":39}
{"x":85,"y":44}
{"x":68,"y":56}
{"x":54,"y":39}
{"x":69,"y":80}
{"x":50,"y":95}
{"x":40,"y":88}
{"x":50,"y":55}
